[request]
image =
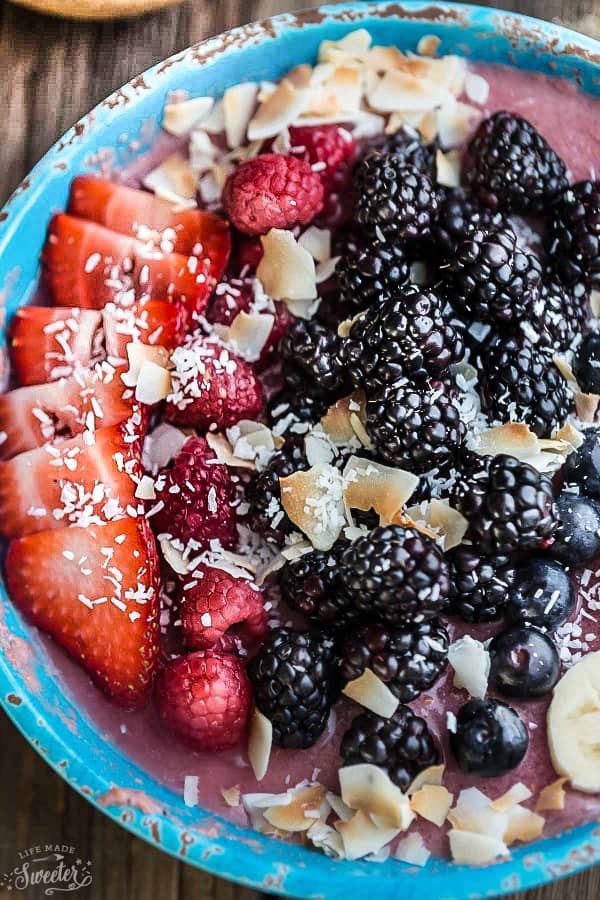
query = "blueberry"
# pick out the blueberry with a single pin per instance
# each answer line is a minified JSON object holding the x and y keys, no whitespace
{"x":524,"y":662}
{"x":586,"y":365}
{"x":541,"y":592}
{"x":577,"y":538}
{"x":490,"y":738}
{"x":583,"y":467}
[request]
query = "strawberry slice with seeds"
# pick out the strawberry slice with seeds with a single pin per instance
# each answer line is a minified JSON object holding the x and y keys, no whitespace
{"x":37,"y":414}
{"x":88,"y":266}
{"x":90,"y":479}
{"x":156,"y":322}
{"x":45,"y":343}
{"x":95,"y":591}
{"x":126,"y":210}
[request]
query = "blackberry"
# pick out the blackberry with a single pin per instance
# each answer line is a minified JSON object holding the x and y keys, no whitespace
{"x":311,"y":586}
{"x":520,"y":383}
{"x":288,"y":408}
{"x":397,"y":574}
{"x":512,"y":167}
{"x":407,"y":659}
{"x":471,"y":481}
{"x":478,"y":584}
{"x":401,"y":745}
{"x":394,"y":200}
{"x":558,"y":316}
{"x":406,"y":144}
{"x":459,"y":216}
{"x":517,"y":511}
{"x":405,"y":335}
{"x":294,"y":677}
{"x":573,"y":240}
{"x":492,"y":278}
{"x":263,"y":495}
{"x":310,"y":352}
{"x":586,"y":365}
{"x":416,"y":427}
{"x":371,"y":275}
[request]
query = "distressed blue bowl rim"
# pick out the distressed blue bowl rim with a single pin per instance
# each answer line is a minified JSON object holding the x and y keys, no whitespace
{"x":55,"y":727}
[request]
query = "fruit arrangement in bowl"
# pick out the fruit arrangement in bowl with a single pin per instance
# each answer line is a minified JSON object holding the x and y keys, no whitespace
{"x":300,"y":460}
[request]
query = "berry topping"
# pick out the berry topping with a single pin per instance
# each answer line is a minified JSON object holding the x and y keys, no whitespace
{"x":583,"y":466}
{"x":573,"y":240}
{"x":512,"y":166}
{"x":216,"y":605}
{"x":558,"y":315}
{"x":289,"y":407}
{"x":524,"y":663}
{"x":541,"y":593}
{"x":478,"y":584}
{"x":295,"y":683}
{"x":577,"y":538}
{"x":211,"y":387}
{"x":394,"y":200}
{"x":205,"y":698}
{"x":397,"y":574}
{"x":402,"y":745}
{"x":406,"y":145}
{"x":242,"y":296}
{"x":263,"y":493}
{"x":459,"y":216}
{"x":311,"y":586}
{"x":326,"y":148}
{"x":196,"y":496}
{"x":272,"y":191}
{"x":586,"y":365}
{"x":407,"y":659}
{"x":371,"y":275}
{"x":310,"y":353}
{"x":490,"y":738}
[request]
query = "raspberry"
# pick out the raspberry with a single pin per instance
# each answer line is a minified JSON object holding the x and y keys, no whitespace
{"x":272,"y":191}
{"x":205,"y":699}
{"x":328,"y":144}
{"x":239,"y":296}
{"x":197,"y":494}
{"x":217,"y":603}
{"x":211,"y":387}
{"x":247,"y":253}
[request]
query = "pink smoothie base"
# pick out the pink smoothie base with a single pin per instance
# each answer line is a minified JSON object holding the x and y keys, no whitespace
{"x":570,"y":121}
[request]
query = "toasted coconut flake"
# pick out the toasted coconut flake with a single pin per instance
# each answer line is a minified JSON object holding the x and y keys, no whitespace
{"x":286,"y":270}
{"x":455,"y":123}
{"x":180,"y":118}
{"x":249,"y":332}
{"x":570,"y":435}
{"x":300,"y":76}
{"x":441,"y":522}
{"x":552,"y":797}
{"x":516,"y":794}
{"x":359,"y":430}
{"x":318,"y":448}
{"x":523,"y":825}
{"x":371,"y":692}
{"x":586,"y":405}
{"x":239,"y":102}
{"x":327,"y":839}
{"x":428,"y":45}
{"x":221,"y":447}
{"x":564,"y":367}
{"x":145,"y":489}
{"x":402,"y":91}
{"x":448,"y":168}
{"x":202,"y":151}
{"x":313,"y":501}
{"x":471,"y":663}
{"x":472,"y":849}
{"x":214,"y":123}
{"x":371,"y":485}
{"x":361,"y":836}
{"x":513,"y":438}
{"x":477,"y":88}
{"x":432,"y":802}
{"x":352,"y":47}
{"x":337,"y":422}
{"x":231,"y":795}
{"x":411,"y":849}
{"x":432,"y":775}
{"x":260,"y":741}
{"x":277,"y":111}
{"x":274,"y":565}
{"x":174,"y":557}
{"x":368,"y":788}
{"x":339,"y":94}
{"x":173,"y":180}
{"x":473,"y":812}
{"x":595,"y":303}
{"x":305,"y":807}
{"x":384,"y":59}
{"x":341,"y":809}
{"x":137,"y":355}
{"x":153,"y":383}
{"x":317,"y":241}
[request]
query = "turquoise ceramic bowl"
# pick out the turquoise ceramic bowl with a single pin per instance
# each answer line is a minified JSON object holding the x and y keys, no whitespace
{"x":30,"y":689}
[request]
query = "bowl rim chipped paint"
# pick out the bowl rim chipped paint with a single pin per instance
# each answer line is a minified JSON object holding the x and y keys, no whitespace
{"x":30,"y":692}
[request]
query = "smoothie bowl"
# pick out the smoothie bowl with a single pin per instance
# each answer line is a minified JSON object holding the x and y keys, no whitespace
{"x":299,"y":469}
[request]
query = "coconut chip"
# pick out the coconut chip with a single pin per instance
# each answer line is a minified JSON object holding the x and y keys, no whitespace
{"x":239,"y":103}
{"x":432,"y":802}
{"x":448,"y":168}
{"x":173,"y":180}
{"x":301,"y":812}
{"x":327,"y":839}
{"x":455,"y":123}
{"x":248,"y":333}
{"x":523,"y":825}
{"x":369,"y":789}
{"x":441,"y":521}
{"x":472,"y":849}
{"x":145,"y":489}
{"x":221,"y":447}
{"x":473,"y":812}
{"x":517,"y":439}
{"x":432,"y":775}
{"x":339,"y":422}
{"x":371,"y":692}
{"x":403,"y":91}
{"x":231,"y":795}
{"x":353,"y":47}
{"x":286,"y":270}
{"x":552,"y":797}
{"x":180,"y":118}
{"x":260,"y":741}
{"x":477,"y":88}
{"x":516,"y":794}
{"x":411,"y":849}
{"x":428,"y":45}
{"x":595,"y":303}
{"x":313,"y":501}
{"x":277,"y":111}
{"x":341,"y":809}
{"x":471,"y":663}
{"x":153,"y":383}
{"x":570,"y":435}
{"x":317,"y":241}
{"x":138,"y":354}
{"x":174,"y":557}
{"x":362,"y":837}
{"x":371,"y":485}
{"x":586,"y":406}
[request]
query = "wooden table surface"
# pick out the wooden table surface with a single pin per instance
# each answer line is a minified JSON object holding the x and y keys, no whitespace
{"x":51,"y":72}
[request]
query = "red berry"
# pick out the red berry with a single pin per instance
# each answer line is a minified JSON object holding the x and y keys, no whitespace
{"x":238,"y":296}
{"x":217,"y":603}
{"x":205,"y":699}
{"x":247,"y":253}
{"x":328,"y":144}
{"x":197,"y":494}
{"x":272,"y":191}
{"x":211,"y":387}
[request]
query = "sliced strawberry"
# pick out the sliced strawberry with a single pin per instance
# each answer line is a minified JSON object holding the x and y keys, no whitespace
{"x":156,"y":322}
{"x":89,"y":266}
{"x":95,"y":590}
{"x":46,"y":343}
{"x":133,"y":212}
{"x":34,"y":415}
{"x":86,"y":480}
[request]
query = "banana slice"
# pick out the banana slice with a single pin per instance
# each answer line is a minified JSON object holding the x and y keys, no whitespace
{"x":574,"y":725}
